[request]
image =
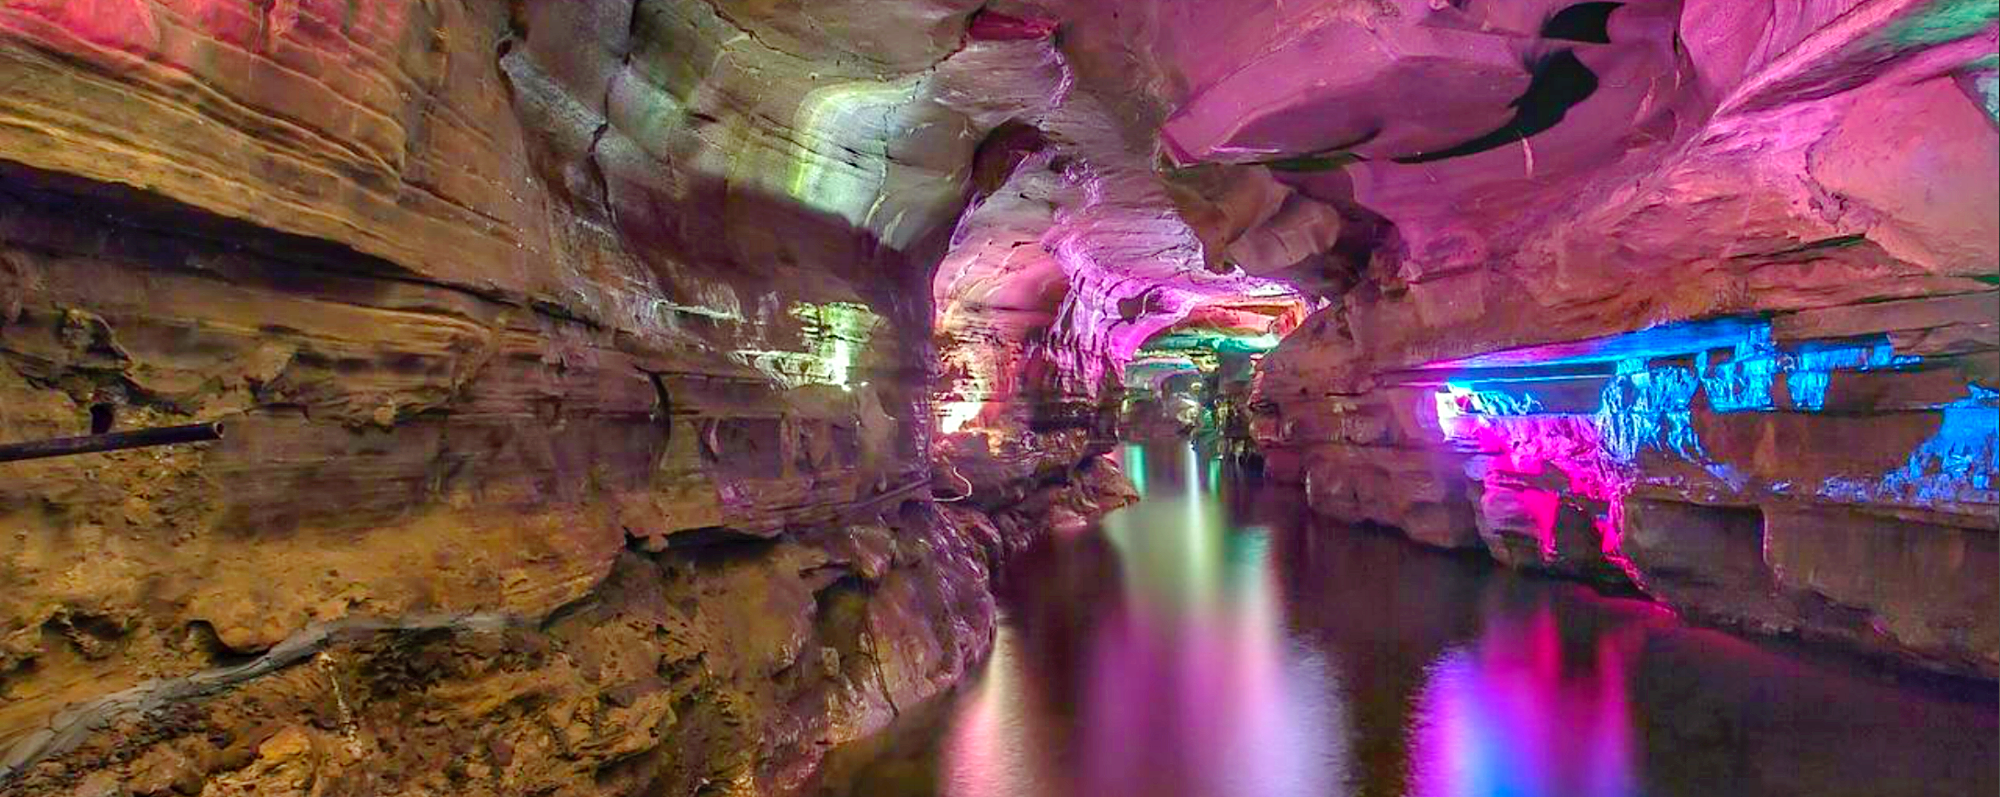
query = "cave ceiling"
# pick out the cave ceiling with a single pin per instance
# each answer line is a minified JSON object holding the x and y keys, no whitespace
{"x":1072,"y":178}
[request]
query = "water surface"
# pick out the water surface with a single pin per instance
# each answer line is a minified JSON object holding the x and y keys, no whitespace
{"x":1213,"y":641}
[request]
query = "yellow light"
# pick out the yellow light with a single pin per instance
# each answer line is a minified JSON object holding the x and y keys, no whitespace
{"x":957,"y":414}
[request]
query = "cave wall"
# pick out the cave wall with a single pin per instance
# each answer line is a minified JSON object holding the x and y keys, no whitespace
{"x":1193,"y":380}
{"x":633,"y":396}
{"x":574,"y":362}
{"x":1745,"y":360}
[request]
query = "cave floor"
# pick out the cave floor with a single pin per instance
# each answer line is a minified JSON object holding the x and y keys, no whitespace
{"x":1213,"y":640}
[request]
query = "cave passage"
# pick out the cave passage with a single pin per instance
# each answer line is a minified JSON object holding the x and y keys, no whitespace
{"x":1215,"y":640}
{"x":1029,"y":398}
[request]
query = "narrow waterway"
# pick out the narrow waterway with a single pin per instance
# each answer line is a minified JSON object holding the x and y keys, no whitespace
{"x":1214,"y":641}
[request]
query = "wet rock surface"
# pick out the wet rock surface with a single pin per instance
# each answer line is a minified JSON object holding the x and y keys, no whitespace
{"x":558,"y":460}
{"x":562,"y":343}
{"x":1719,"y":359}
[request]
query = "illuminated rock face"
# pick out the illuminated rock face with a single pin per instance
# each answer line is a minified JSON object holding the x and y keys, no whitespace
{"x":1194,"y":378}
{"x":1725,"y":332}
{"x":575,"y":364}
{"x":590,"y":369}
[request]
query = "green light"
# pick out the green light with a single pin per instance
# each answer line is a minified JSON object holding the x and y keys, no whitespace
{"x":1209,"y":340}
{"x":832,"y":333}
{"x":840,"y":157}
{"x":1942,"y":21}
{"x":1135,"y":467}
{"x":1986,"y":80}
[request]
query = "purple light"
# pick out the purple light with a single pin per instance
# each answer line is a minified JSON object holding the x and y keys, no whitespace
{"x":1509,"y":716}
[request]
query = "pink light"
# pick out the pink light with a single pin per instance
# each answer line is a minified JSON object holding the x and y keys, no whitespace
{"x":994,"y":26}
{"x":1537,"y":462}
{"x":307,"y":35}
{"x":1512,"y":715}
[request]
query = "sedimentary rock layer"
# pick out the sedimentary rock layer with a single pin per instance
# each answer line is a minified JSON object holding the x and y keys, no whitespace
{"x":1704,"y":345}
{"x":631,"y":395}
{"x":573,"y":365}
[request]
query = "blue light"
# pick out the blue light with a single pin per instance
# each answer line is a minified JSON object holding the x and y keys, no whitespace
{"x":1645,"y":408}
{"x":1956,"y":465}
{"x":1731,"y":365}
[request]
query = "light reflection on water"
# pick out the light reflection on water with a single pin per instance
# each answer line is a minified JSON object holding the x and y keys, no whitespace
{"x":1212,"y":642}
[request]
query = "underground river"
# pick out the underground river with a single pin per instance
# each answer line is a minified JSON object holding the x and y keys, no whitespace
{"x":1212,"y":641}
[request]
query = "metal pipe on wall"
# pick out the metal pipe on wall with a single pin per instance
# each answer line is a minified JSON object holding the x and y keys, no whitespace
{"x":113,"y":441}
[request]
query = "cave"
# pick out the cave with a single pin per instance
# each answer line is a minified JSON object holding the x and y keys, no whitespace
{"x":852,"y":398}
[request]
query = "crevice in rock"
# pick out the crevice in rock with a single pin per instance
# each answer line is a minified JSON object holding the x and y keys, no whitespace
{"x":170,"y":220}
{"x":69,"y":728}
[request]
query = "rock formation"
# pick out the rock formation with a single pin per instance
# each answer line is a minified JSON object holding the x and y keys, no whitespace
{"x":1691,"y":336}
{"x":632,"y":396}
{"x":574,"y":365}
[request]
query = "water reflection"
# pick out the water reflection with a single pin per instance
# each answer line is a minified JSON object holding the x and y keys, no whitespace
{"x":1193,"y":661}
{"x":1512,"y":714}
{"x":1211,"y":642}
